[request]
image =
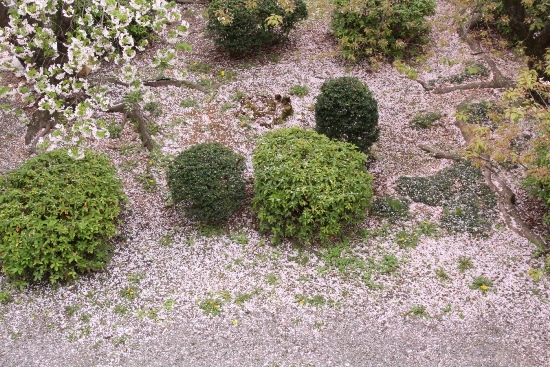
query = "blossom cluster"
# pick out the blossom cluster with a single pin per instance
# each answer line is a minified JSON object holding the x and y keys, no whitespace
{"x":55,"y":64}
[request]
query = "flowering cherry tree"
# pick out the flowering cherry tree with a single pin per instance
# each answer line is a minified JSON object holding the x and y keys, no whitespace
{"x":53,"y":45}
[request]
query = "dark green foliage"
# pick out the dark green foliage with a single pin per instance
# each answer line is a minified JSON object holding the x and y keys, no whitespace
{"x":209,"y":178}
{"x":244,"y":26}
{"x":468,"y":203}
{"x":424,"y":120}
{"x":527,"y":23}
{"x":346,"y":110}
{"x":388,"y":207}
{"x":56,"y":216}
{"x":373,"y":28}
{"x":537,"y":180}
{"x":307,"y":186}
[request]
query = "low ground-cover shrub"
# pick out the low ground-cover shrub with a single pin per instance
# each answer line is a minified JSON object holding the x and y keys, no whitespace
{"x":374,"y":28}
{"x":424,"y":120}
{"x":308,"y":186}
{"x":346,"y":110}
{"x":56,"y":216}
{"x":468,"y":203}
{"x":242,"y":27}
{"x":208,"y":177}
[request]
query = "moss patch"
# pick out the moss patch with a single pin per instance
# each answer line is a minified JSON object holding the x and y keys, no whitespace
{"x":468,"y":203}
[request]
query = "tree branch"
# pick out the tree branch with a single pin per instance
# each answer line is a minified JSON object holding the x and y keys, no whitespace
{"x":497,"y":81}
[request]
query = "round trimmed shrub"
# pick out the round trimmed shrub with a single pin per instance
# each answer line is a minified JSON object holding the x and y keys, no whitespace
{"x":346,"y":110}
{"x":208,"y":177}
{"x":373,"y":28}
{"x":308,"y":186}
{"x":57,"y":215}
{"x":243,"y":26}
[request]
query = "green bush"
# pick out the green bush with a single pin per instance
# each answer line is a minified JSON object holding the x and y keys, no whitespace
{"x":347,"y":111}
{"x":209,"y":178}
{"x":372,"y":28}
{"x":244,"y":26}
{"x":56,"y":216}
{"x":308,"y":186}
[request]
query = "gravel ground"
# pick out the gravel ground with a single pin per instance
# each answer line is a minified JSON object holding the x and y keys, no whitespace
{"x":175,"y":294}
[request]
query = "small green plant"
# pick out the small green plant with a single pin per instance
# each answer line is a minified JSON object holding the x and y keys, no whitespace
{"x":241,"y":298}
{"x":442,"y":274}
{"x":243,"y":27}
{"x":57,"y":215}
{"x":424,"y":120}
{"x":115,"y":130}
{"x":340,"y":257}
{"x":239,"y":96}
{"x":121,"y":340}
{"x":390,"y":208}
{"x":70,"y":311}
{"x":271,"y":279}
{"x":418,"y":311}
{"x":169,"y":304}
{"x":388,"y":264}
{"x":298,"y":90}
{"x":166,"y":240}
{"x":189,"y":102}
{"x":147,"y":181}
{"x":121,"y":310}
{"x":5,"y":297}
{"x":316,"y":301}
{"x":209,"y":178}
{"x":211,"y":306}
{"x":226,"y":106}
{"x":153,"y":108}
{"x":405,"y":69}
{"x":481,"y":283}
{"x":407,"y":239}
{"x":199,"y":67}
{"x":130,"y":293}
{"x":346,"y":110}
{"x":240,"y":237}
{"x":308,"y":186}
{"x":464,"y":264}
{"x":427,"y":228}
{"x":472,"y":70}
{"x":85,"y":317}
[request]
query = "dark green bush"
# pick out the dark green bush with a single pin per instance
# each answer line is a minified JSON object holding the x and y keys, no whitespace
{"x":371,"y":28}
{"x":56,"y":216}
{"x":209,"y":178}
{"x":244,"y":26}
{"x":308,"y":186}
{"x":346,"y":110}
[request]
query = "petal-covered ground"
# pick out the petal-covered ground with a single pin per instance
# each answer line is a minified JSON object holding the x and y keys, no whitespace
{"x":403,"y":293}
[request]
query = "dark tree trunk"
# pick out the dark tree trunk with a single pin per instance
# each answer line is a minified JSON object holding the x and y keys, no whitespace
{"x":4,"y":16}
{"x":535,"y":41}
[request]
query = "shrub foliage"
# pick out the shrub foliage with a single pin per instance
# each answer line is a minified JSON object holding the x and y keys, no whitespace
{"x":346,"y":110}
{"x":56,"y":216}
{"x":372,"y":28}
{"x":244,"y":26}
{"x":209,"y":178}
{"x":308,"y":186}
